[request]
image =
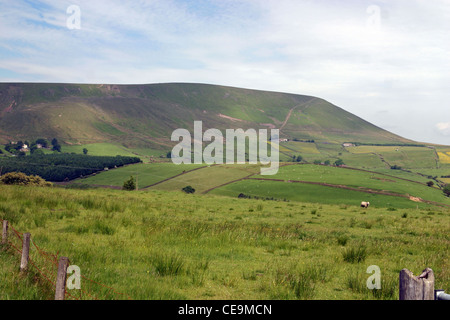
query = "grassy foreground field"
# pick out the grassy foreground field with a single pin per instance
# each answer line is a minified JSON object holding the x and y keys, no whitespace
{"x":169,"y":245}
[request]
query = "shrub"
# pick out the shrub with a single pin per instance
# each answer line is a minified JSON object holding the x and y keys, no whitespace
{"x":19,"y":178}
{"x":188,"y":189}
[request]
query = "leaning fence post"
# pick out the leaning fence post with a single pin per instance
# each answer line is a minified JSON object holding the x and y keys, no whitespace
{"x":416,"y":288}
{"x":25,"y":252}
{"x":5,"y":232}
{"x":61,"y":278}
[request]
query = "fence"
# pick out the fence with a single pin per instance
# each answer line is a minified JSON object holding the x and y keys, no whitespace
{"x":52,"y":268}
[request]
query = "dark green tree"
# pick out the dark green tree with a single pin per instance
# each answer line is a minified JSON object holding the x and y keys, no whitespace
{"x":447,"y":190}
{"x":19,"y":145}
{"x":85,"y":151}
{"x":56,"y":145}
{"x":129,"y":185}
{"x":339,"y":162}
{"x":42,"y":142}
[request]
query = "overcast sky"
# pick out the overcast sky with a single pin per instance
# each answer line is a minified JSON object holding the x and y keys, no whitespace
{"x":385,"y":61}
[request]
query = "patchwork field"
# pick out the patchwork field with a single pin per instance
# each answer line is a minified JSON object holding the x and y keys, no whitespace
{"x":209,"y":177}
{"x":358,"y":179}
{"x":147,"y":174}
{"x":408,"y":157}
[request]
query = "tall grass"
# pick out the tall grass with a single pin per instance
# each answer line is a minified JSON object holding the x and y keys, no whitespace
{"x":355,"y":254}
{"x":168,"y":245}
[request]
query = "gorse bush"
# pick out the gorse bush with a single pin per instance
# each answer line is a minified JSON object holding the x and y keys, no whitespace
{"x":21,"y":179}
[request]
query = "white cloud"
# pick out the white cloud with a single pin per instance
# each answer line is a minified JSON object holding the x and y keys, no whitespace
{"x":444,"y":128}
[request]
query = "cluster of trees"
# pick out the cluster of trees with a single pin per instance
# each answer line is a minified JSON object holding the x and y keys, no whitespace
{"x":447,"y":190}
{"x":307,"y":141}
{"x":33,"y":147}
{"x":62,"y":166}
{"x":337,"y":163}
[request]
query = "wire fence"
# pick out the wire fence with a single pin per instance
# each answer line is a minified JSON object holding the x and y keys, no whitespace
{"x":45,"y":264}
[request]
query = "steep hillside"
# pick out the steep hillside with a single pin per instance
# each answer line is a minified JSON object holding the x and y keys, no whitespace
{"x":146,"y":115}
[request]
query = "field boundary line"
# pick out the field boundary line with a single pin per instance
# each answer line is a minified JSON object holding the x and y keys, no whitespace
{"x":180,"y":174}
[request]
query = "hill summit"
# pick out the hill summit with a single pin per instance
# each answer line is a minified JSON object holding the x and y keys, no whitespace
{"x":146,"y":115}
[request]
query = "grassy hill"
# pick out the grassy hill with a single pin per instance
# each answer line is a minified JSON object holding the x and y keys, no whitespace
{"x":144,"y":116}
{"x":299,"y":234}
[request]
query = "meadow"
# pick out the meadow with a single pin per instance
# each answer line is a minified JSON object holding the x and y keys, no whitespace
{"x":147,"y":174}
{"x":170,"y":245}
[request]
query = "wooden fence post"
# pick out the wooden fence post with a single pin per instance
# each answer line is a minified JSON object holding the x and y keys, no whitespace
{"x":25,"y":252}
{"x":5,"y":232}
{"x":416,"y":288}
{"x":60,"y":289}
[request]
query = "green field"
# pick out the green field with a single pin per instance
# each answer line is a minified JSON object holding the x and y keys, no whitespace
{"x":407,"y":157}
{"x":298,"y":192}
{"x":147,"y":174}
{"x":225,"y":180}
{"x":170,"y":245}
{"x":209,"y":177}
{"x":357,"y":179}
{"x":110,"y":149}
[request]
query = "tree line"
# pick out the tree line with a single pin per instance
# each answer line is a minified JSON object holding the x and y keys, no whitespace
{"x":62,"y":167}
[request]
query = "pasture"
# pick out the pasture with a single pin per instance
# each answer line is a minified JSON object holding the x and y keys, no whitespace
{"x":357,"y":179}
{"x":147,"y":174}
{"x":170,"y":245}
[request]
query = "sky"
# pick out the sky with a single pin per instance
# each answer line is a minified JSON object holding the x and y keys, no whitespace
{"x":387,"y":61}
